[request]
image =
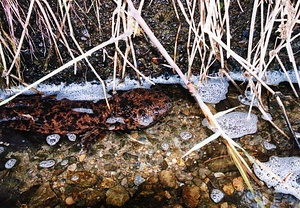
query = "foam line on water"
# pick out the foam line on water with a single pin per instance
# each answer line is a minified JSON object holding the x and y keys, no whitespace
{"x":212,"y":90}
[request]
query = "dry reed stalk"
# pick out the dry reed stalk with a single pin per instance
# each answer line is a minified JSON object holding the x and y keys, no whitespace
{"x":17,"y":53}
{"x":240,"y":162}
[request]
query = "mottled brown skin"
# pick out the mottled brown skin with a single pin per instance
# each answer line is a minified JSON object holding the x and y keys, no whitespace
{"x":134,"y":109}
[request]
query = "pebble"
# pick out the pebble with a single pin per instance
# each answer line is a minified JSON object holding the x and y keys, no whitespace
{"x":228,"y":189}
{"x":10,"y":163}
{"x":60,"y":167}
{"x":53,"y":139}
{"x":134,"y":135}
{"x":219,"y":175}
{"x":82,"y":157}
{"x":138,"y":180}
{"x":226,"y":205}
{"x":142,"y":139}
{"x":204,"y":172}
{"x":47,"y":163}
{"x":238,"y":184}
{"x":167,"y":179}
{"x":117,"y":196}
{"x":69,"y":200}
{"x":191,"y":195}
{"x":107,"y":183}
{"x":72,"y":167}
{"x":71,"y":137}
{"x":183,"y":176}
{"x":180,"y":162}
{"x":216,"y":195}
{"x":185,"y":135}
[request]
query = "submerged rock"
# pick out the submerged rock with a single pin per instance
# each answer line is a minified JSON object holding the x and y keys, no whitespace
{"x":167,"y":179}
{"x":82,"y":179}
{"x":117,"y":196}
{"x":44,"y":197}
{"x":191,"y":195}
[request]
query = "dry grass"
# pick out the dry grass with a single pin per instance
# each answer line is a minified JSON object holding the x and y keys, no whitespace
{"x":205,"y":42}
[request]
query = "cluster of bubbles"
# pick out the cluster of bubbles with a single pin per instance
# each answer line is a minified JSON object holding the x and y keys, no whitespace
{"x":235,"y":124}
{"x":282,"y":173}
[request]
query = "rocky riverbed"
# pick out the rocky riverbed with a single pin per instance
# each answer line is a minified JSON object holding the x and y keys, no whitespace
{"x":144,"y":168}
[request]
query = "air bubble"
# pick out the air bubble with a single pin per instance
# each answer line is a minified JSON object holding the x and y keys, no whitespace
{"x":71,"y":137}
{"x":64,"y":162}
{"x":185,"y":135}
{"x":216,"y":195}
{"x":53,"y":139}
{"x":10,"y":163}
{"x":165,"y":146}
{"x":47,"y":163}
{"x":145,"y":120}
{"x":74,"y":178}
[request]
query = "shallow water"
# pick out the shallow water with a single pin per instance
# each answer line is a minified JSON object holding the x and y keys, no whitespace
{"x":144,"y":168}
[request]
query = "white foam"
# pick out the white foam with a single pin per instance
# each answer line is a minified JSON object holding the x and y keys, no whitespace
{"x":269,"y":146}
{"x":83,"y":110}
{"x":212,"y":90}
{"x":270,"y":77}
{"x":282,"y":173}
{"x":235,"y":124}
{"x":86,"y":91}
